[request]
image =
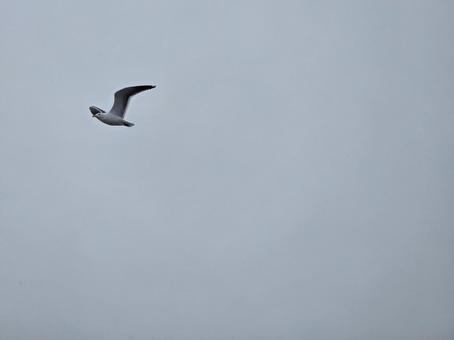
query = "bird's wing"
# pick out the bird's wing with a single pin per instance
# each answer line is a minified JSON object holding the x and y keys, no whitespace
{"x":122,"y":98}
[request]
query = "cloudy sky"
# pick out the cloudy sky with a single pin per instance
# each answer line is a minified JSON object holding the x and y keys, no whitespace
{"x":291,"y":176}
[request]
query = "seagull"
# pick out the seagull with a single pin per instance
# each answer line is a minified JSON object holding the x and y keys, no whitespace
{"x":118,"y":110}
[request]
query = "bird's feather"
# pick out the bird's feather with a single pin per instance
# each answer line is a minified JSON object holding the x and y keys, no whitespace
{"x":122,"y":98}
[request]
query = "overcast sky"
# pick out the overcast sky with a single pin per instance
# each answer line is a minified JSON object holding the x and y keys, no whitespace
{"x":291,"y":176}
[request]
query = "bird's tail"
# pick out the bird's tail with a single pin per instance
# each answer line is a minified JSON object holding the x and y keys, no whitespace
{"x":128,"y":124}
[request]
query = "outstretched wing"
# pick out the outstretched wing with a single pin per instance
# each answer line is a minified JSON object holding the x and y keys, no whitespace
{"x":122,"y":98}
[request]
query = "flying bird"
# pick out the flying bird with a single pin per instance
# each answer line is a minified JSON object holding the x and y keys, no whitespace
{"x":118,"y":110}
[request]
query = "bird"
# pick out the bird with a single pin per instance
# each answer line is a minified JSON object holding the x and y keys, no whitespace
{"x":117,"y":112}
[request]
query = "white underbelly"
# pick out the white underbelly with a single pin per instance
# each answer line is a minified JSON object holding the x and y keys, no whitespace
{"x":110,"y":119}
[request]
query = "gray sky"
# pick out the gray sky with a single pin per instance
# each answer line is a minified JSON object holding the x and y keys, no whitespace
{"x":291,"y":177}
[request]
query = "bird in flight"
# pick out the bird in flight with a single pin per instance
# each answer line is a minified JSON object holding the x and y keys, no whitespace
{"x":118,"y":110}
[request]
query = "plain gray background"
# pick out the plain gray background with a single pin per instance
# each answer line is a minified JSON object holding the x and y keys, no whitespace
{"x":291,"y":176}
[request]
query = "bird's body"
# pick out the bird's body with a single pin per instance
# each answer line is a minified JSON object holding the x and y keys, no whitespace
{"x":118,"y":110}
{"x":111,"y":119}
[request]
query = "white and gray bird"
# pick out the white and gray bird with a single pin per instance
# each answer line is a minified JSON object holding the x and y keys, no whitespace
{"x":118,"y":110}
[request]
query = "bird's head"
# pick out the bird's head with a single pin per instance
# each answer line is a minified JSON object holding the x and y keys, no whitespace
{"x":95,"y":111}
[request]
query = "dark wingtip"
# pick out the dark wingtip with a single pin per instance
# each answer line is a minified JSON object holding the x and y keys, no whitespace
{"x":144,"y":87}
